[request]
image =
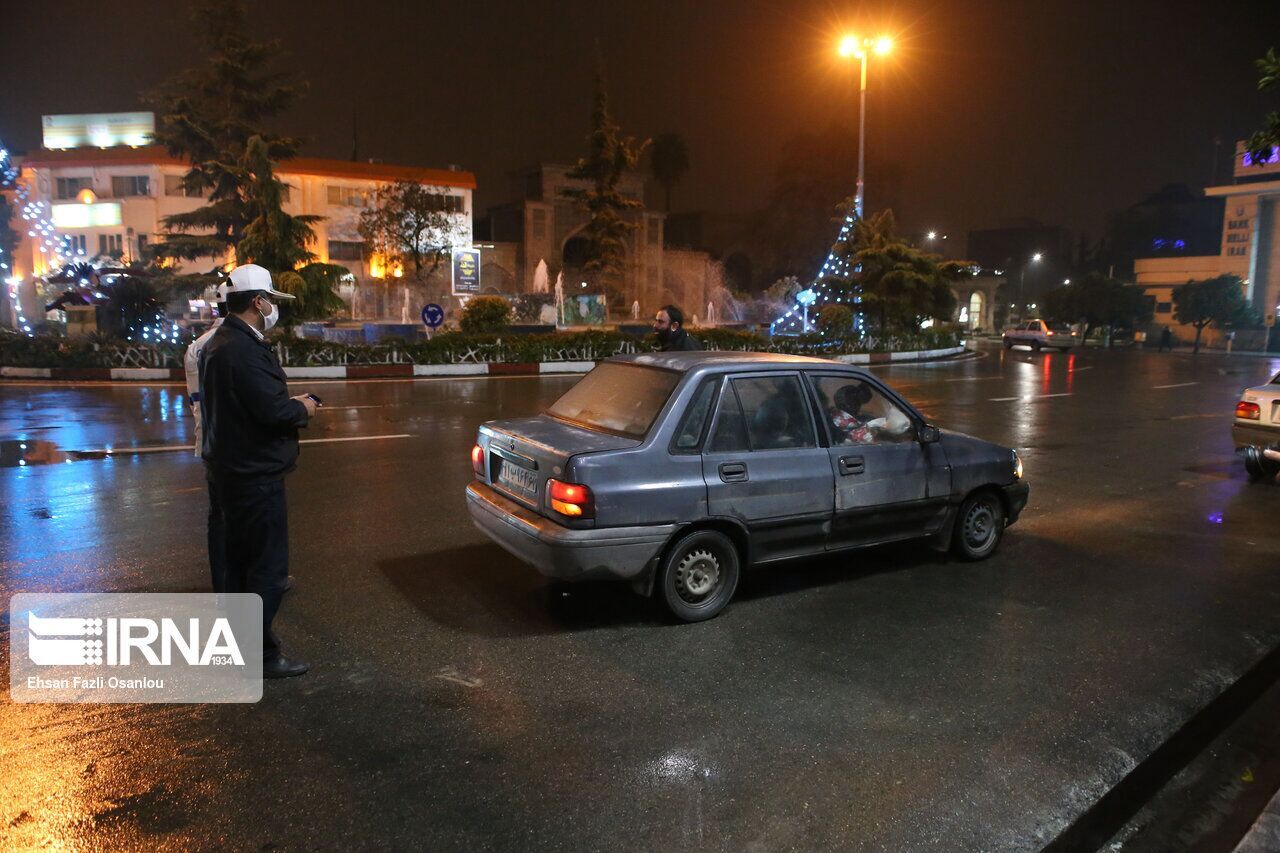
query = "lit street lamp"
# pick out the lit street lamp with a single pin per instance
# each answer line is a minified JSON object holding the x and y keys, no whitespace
{"x":859,"y":47}
{"x":1022,"y":280}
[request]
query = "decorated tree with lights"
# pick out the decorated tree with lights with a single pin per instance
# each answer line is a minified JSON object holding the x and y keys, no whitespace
{"x":609,"y":156}
{"x":207,"y":116}
{"x":1263,"y":143}
{"x":410,"y":225}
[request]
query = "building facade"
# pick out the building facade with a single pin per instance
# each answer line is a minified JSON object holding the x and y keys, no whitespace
{"x":111,"y":202}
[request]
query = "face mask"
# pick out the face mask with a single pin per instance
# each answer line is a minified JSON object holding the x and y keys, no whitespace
{"x":269,"y":319}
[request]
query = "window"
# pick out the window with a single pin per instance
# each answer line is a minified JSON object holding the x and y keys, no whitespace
{"x":349,"y":196}
{"x":775,"y":412}
{"x":444,"y":203}
{"x":1164,"y":307}
{"x":858,"y":413}
{"x":695,"y":419}
{"x":124,"y":186}
{"x":654,"y":231}
{"x":74,"y":244}
{"x":110,"y":245}
{"x":71,"y":187}
{"x":346,"y":250}
{"x":173,"y":187}
{"x":142,"y":245}
{"x":731,"y":431}
{"x":617,"y":398}
{"x":538,"y":223}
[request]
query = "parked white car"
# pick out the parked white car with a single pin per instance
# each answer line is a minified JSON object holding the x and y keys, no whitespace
{"x":1256,"y":430}
{"x":1038,"y":334}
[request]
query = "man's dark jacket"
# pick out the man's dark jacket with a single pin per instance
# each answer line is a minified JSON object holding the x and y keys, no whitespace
{"x":250,"y":423}
{"x":681,"y":341}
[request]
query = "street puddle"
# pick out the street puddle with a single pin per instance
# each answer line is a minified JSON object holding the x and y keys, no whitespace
{"x":30,"y":451}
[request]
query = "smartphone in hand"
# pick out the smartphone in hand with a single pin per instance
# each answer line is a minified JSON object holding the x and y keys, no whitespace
{"x":315,"y":399}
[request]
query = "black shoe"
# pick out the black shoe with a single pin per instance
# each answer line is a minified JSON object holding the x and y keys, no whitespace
{"x":279,"y":666}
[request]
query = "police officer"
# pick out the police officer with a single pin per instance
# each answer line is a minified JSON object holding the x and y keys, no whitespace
{"x":191,"y":366}
{"x":250,"y":443}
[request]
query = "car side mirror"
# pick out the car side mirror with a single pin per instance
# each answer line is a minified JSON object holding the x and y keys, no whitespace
{"x":930,"y":434}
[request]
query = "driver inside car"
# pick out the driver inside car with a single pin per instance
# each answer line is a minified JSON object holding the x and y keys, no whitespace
{"x":855,"y":426}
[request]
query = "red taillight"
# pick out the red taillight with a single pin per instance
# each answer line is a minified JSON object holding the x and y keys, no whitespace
{"x":571,"y":499}
{"x":477,"y":459}
{"x":1050,"y":334}
{"x":1248,"y":411}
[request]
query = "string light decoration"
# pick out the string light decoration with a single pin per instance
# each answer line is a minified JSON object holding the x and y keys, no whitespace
{"x":9,"y":181}
{"x":828,"y":288}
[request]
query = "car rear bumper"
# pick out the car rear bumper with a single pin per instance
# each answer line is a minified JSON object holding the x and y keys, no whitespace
{"x":1015,"y":498}
{"x":1254,"y":435}
{"x":625,"y":553}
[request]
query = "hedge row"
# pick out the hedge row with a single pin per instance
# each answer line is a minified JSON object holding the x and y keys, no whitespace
{"x":446,"y":348}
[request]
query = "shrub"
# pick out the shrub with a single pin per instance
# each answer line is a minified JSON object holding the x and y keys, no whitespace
{"x":485,"y":315}
{"x":528,"y":306}
{"x":836,"y":320}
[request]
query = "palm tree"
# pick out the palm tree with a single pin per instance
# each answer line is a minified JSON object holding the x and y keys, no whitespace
{"x":668,"y":162}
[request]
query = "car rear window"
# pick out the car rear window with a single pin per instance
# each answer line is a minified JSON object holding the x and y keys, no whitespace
{"x":1060,"y":328}
{"x":617,"y":398}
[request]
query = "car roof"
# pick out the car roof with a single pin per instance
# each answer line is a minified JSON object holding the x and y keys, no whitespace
{"x":719,"y":360}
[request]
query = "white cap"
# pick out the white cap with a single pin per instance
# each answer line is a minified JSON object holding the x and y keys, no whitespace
{"x":253,"y":277}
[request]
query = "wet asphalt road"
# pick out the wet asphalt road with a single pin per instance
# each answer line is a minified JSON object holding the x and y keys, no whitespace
{"x":890,"y":700}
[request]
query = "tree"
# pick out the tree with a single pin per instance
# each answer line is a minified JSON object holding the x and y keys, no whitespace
{"x":1215,"y":300}
{"x":272,"y":238}
{"x":410,"y":222}
{"x":1262,"y":143}
{"x":898,"y":282}
{"x":668,"y":162}
{"x":835,"y":321}
{"x":609,"y":156}
{"x":207,"y":116}
{"x":1096,"y":300}
{"x":315,"y":291}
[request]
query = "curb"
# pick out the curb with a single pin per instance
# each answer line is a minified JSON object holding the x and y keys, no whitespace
{"x":400,"y":371}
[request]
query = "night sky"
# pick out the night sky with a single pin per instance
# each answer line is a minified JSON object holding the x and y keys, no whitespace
{"x":1061,"y":111}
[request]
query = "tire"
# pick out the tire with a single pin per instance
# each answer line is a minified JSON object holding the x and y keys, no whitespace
{"x":979,"y":526}
{"x":699,"y":575}
{"x":1258,"y":466}
{"x":1035,"y":345}
{"x":1008,"y":344}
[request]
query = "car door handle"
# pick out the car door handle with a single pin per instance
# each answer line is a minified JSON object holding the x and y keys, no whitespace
{"x":733,"y":472}
{"x":852,"y":465}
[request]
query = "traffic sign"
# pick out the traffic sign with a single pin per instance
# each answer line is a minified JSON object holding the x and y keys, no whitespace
{"x":432,"y":315}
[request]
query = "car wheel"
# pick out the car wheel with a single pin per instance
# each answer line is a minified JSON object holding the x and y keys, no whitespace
{"x":1008,"y":344}
{"x":1258,"y":466}
{"x":699,"y":575}
{"x":979,"y":526}
{"x":1035,"y":345}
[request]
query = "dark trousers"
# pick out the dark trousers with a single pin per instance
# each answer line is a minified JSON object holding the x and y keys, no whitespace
{"x":216,"y":537}
{"x":255,"y":543}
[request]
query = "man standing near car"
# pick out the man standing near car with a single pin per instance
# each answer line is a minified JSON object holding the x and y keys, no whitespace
{"x":668,"y":325}
{"x":250,"y":443}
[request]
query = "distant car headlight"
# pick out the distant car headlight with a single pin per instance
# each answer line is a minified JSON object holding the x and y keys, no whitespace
{"x":1017,"y":466}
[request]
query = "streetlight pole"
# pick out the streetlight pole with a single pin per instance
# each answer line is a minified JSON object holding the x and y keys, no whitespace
{"x":1022,"y":280}
{"x":854,"y":46}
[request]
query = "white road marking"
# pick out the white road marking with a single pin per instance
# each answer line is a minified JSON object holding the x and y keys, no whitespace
{"x":1028,"y":399}
{"x":118,"y":451}
{"x":1078,"y":369}
{"x":347,"y":408}
{"x":973,"y":378}
{"x":1175,"y":385}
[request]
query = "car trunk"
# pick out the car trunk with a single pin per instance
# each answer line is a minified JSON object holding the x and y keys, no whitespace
{"x":521,"y":454}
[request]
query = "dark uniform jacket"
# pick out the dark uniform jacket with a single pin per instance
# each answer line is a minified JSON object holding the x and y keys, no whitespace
{"x":680,"y":342}
{"x":250,"y":423}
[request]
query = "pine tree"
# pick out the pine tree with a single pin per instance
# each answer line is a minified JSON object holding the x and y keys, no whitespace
{"x":271,"y":238}
{"x":208,"y":114}
{"x":609,"y":156}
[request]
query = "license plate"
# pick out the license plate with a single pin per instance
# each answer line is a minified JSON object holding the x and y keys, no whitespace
{"x":517,"y":479}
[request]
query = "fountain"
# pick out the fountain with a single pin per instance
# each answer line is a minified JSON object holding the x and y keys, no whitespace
{"x":635,"y":310}
{"x":540,"y":277}
{"x":560,"y":299}
{"x":711,"y":314}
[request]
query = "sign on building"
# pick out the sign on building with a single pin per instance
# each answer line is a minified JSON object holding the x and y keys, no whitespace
{"x":100,"y":130}
{"x":466,"y":271}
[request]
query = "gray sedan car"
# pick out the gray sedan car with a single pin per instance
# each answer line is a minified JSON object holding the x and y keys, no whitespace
{"x":675,"y":471}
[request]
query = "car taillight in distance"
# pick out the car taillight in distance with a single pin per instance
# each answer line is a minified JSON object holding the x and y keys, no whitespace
{"x":1248,"y":411}
{"x":571,"y":499}
{"x":477,"y":460}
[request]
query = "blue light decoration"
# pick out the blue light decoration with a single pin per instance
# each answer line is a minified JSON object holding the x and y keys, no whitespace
{"x":1267,"y":160}
{"x":827,"y":286}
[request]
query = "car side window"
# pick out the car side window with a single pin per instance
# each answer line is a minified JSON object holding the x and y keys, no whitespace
{"x":775,"y":412}
{"x":696,"y":416}
{"x":730,"y":430}
{"x":859,"y":413}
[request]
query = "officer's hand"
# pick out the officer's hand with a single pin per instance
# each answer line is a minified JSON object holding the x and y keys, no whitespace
{"x":309,"y":403}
